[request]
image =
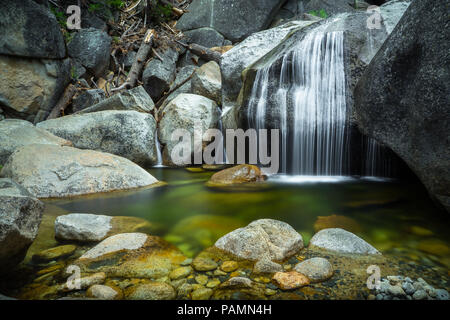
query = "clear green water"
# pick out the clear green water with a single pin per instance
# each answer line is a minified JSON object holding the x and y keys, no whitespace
{"x":193,"y":216}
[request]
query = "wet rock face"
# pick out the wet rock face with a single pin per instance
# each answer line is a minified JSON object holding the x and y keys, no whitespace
{"x":132,"y":255}
{"x":53,"y":171}
{"x":265,"y":238}
{"x":29,"y":88}
{"x":129,"y":134}
{"x":248,"y":16}
{"x":20,"y":217}
{"x":86,"y":227}
{"x":30,"y":30}
{"x":339,"y":240}
{"x":238,"y":174}
{"x":91,"y":47}
{"x":402,"y":100}
{"x":15,"y":133}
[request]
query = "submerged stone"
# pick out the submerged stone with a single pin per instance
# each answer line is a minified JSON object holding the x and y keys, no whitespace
{"x":316,"y":269}
{"x":151,"y":291}
{"x":290,"y":280}
{"x":238,"y":174}
{"x":54,"y":253}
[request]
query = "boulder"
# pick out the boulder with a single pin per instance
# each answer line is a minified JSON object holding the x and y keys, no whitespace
{"x":316,"y":269}
{"x":207,"y":37}
{"x":30,"y":30}
{"x":53,"y":171}
{"x":207,"y":81}
{"x":86,"y":227}
{"x":132,"y":255}
{"x":402,"y":100}
{"x":248,"y":52}
{"x":87,"y":99}
{"x":136,"y":99}
{"x":102,"y":292}
{"x":15,"y":133}
{"x":29,"y":88}
{"x":264,"y":238}
{"x":158,"y":75}
{"x":184,"y":112}
{"x":247,"y":16}
{"x":184,"y":74}
{"x":242,"y":173}
{"x":290,"y":280}
{"x":20,"y":217}
{"x":392,"y":11}
{"x":339,"y":240}
{"x":92,"y":48}
{"x":129,"y":134}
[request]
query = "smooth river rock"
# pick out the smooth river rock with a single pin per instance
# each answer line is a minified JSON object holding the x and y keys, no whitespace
{"x":49,"y":171}
{"x":20,"y":217}
{"x":242,"y":173}
{"x":207,"y":81}
{"x":132,"y":255}
{"x":264,"y":238}
{"x":16,"y":133}
{"x":403,"y":99}
{"x":85,"y":227}
{"x":339,"y":240}
{"x":129,"y":134}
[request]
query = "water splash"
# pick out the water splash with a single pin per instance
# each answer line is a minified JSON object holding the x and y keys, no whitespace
{"x":311,"y":97}
{"x":159,"y":162}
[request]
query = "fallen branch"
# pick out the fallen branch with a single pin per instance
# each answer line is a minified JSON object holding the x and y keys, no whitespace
{"x":202,"y":52}
{"x":139,"y":61}
{"x":63,"y":102}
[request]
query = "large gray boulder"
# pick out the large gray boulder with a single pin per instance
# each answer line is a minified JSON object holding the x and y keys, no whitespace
{"x":29,"y":88}
{"x":20,"y":217}
{"x":247,"y":53}
{"x":30,"y":30}
{"x":49,"y":171}
{"x":183,"y":113}
{"x":262,"y":239}
{"x":129,"y":134}
{"x":158,"y":75}
{"x":207,"y":37}
{"x":403,"y":98}
{"x":135,"y":99}
{"x":15,"y":133}
{"x":340,"y":240}
{"x":234,"y":19}
{"x":92,"y":48}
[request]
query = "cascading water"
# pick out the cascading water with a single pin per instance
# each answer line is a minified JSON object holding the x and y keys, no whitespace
{"x":159,"y":163}
{"x":376,"y":160}
{"x":311,"y":96}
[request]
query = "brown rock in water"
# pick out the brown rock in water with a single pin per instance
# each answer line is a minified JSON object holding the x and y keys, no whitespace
{"x":54,"y":253}
{"x":290,"y":280}
{"x":151,"y":291}
{"x":239,"y":174}
{"x":337,"y":221}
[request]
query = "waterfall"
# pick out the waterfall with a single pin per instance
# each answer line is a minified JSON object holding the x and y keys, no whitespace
{"x":309,"y":90}
{"x":377,"y":161}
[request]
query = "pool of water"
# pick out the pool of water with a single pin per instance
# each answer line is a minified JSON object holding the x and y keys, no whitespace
{"x":396,"y":217}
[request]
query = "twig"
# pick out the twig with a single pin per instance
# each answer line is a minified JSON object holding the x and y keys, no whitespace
{"x":63,"y":102}
{"x":157,"y":55}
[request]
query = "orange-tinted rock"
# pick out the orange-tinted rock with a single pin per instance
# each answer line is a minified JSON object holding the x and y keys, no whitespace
{"x":290,"y":280}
